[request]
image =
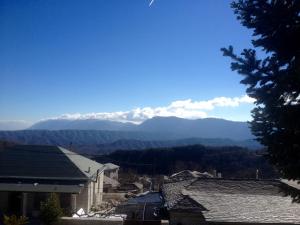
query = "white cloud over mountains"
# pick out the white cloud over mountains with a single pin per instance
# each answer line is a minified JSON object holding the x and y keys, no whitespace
{"x":183,"y":108}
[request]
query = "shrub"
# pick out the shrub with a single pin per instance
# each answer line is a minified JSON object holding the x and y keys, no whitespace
{"x":51,"y":210}
{"x":14,"y":220}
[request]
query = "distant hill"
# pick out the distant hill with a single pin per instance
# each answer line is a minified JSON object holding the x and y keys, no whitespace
{"x":204,"y":128}
{"x":100,"y":136}
{"x":92,"y":141}
{"x":232,"y":162}
{"x":181,"y":128}
{"x":79,"y":139}
{"x":88,"y":124}
{"x":140,"y":145}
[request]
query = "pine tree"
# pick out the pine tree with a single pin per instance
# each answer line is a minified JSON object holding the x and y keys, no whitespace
{"x":274,"y":80}
{"x":51,"y":210}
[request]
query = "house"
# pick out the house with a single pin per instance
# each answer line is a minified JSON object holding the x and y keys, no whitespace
{"x":228,"y":201}
{"x":187,"y":174}
{"x":111,"y":171}
{"x":28,"y":173}
{"x":111,"y":176}
{"x":145,"y":206}
{"x":110,"y":185}
{"x":134,"y":187}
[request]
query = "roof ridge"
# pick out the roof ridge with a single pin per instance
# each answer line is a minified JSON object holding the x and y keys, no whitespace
{"x":80,"y":162}
{"x":67,"y":155}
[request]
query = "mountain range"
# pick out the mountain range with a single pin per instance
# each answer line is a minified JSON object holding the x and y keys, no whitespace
{"x":172,"y":126}
{"x":99,"y":136}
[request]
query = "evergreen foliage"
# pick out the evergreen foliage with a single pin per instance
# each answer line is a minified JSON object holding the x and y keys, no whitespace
{"x":232,"y":162}
{"x":274,"y":79}
{"x":51,"y":210}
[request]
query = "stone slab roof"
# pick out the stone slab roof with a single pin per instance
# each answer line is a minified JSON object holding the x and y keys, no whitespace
{"x":187,"y":174}
{"x":172,"y":192}
{"x":248,"y":201}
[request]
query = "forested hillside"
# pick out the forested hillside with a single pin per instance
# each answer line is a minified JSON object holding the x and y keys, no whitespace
{"x":99,"y":141}
{"x":178,"y":127}
{"x":232,"y":162}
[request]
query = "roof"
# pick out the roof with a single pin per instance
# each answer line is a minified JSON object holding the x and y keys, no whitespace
{"x":145,"y":206}
{"x":87,"y":166}
{"x":40,"y":162}
{"x":146,"y":197}
{"x":110,"y":166}
{"x":292,"y":183}
{"x":172,"y":192}
{"x":136,"y":186}
{"x":109,"y":181}
{"x":187,"y":174}
{"x":221,"y":200}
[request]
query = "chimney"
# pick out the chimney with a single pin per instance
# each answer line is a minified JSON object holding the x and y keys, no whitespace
{"x":219,"y":175}
{"x":257,"y":173}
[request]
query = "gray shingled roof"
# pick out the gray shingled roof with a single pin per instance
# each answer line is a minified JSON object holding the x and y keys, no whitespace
{"x":87,"y":166}
{"x":37,"y":162}
{"x":220,"y":200}
{"x":110,"y":166}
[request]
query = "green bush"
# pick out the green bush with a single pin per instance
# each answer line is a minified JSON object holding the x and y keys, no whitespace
{"x":51,"y":210}
{"x":14,"y":220}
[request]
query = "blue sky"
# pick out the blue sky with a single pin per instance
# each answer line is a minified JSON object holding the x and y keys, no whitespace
{"x":89,"y":56}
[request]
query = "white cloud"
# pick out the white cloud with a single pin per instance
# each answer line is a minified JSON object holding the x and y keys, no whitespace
{"x":183,"y":108}
{"x":14,"y":124}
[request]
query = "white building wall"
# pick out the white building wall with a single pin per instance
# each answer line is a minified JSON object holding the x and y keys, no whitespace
{"x":82,"y":199}
{"x":91,"y":195}
{"x":97,"y":190}
{"x":114,"y":174}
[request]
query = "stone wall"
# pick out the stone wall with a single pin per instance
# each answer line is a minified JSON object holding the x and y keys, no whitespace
{"x":89,"y":221}
{"x":114,"y":196}
{"x":99,"y":221}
